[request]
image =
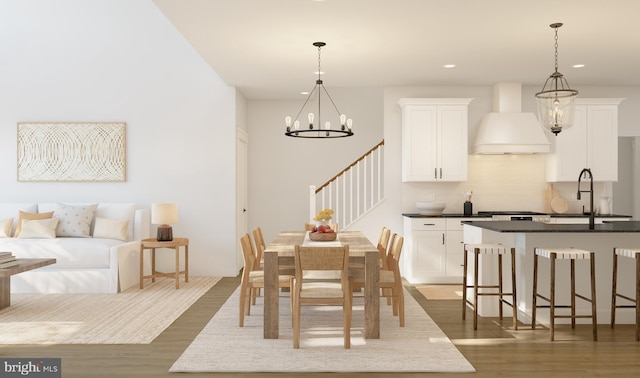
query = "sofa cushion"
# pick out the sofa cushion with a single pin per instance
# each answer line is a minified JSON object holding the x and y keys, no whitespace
{"x":22,"y":215}
{"x":75,"y":220}
{"x":119,"y":211}
{"x":69,"y":252}
{"x":111,"y":229}
{"x":5,"y":227}
{"x":39,"y":228}
{"x":11,"y":210}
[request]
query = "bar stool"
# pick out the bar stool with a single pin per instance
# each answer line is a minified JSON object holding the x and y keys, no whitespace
{"x":488,"y":249}
{"x":571,"y":254}
{"x":634,"y":254}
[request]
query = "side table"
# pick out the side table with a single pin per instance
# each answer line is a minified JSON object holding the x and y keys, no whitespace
{"x":175,"y":244}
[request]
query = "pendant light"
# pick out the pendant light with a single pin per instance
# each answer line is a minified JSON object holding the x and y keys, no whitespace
{"x":556,"y":101}
{"x":317,"y":129}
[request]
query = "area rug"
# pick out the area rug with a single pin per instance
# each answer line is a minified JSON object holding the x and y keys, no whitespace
{"x":135,"y":316}
{"x":420,"y":346}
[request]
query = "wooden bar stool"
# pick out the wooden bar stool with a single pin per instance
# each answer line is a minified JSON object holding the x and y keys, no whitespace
{"x":634,"y":254}
{"x":571,"y":254}
{"x":488,"y":249}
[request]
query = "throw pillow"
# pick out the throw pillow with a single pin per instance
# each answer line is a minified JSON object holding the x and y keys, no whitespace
{"x":39,"y":229}
{"x":75,"y":220}
{"x":5,"y":227}
{"x":111,"y":229}
{"x":30,"y":216}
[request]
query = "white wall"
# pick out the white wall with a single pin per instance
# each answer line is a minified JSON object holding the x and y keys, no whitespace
{"x":73,"y":60}
{"x":281,"y":168}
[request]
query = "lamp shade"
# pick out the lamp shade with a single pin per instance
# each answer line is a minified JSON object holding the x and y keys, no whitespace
{"x":164,"y":213}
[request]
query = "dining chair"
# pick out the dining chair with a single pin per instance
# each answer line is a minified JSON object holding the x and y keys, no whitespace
{"x":390,"y":279}
{"x":383,"y":243}
{"x":260,"y":246}
{"x":318,"y":291}
{"x":252,"y":278}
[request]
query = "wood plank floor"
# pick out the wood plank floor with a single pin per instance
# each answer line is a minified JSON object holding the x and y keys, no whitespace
{"x":494,"y":350}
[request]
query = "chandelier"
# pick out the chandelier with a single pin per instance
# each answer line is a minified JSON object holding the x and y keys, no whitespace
{"x":556,"y":101}
{"x":318,"y":130}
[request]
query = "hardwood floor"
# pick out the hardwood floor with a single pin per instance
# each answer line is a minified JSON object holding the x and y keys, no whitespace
{"x":494,"y":350}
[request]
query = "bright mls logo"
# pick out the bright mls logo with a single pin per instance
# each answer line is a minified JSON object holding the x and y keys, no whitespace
{"x":31,"y":367}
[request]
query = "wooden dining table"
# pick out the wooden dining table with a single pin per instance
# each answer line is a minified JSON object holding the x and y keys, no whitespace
{"x":361,"y":251}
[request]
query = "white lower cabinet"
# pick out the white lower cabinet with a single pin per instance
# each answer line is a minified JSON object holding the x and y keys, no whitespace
{"x":432,"y":250}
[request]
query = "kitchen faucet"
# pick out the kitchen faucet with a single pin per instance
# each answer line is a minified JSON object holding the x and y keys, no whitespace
{"x":590,"y":191}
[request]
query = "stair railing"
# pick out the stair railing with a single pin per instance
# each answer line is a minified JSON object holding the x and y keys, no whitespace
{"x":352,"y":192}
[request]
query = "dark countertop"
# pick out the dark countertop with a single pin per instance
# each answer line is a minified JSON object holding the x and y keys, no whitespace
{"x":475,"y":215}
{"x":528,"y":226}
{"x":418,"y":215}
{"x":579,"y":215}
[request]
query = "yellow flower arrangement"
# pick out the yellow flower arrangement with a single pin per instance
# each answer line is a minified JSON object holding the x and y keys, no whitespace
{"x":323,"y":215}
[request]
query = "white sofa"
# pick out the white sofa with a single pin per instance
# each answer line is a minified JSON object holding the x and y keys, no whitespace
{"x":84,"y":264}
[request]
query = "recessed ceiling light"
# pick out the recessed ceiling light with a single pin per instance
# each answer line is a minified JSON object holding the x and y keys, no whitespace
{"x":304,"y":93}
{"x":578,"y":66}
{"x":449,"y":66}
{"x":318,"y":73}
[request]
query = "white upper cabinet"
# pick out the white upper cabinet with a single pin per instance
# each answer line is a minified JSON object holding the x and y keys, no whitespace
{"x":434,"y":139}
{"x":592,"y":143}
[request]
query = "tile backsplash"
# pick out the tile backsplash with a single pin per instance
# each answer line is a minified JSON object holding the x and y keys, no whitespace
{"x":501,"y":182}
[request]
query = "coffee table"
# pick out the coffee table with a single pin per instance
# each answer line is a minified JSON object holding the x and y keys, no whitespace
{"x":23,"y":266}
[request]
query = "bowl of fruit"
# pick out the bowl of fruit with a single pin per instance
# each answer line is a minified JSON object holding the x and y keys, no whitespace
{"x":323,"y":232}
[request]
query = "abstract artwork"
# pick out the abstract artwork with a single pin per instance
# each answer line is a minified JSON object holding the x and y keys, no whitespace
{"x":71,"y":151}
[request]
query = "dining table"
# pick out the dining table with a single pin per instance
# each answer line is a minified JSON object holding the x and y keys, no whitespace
{"x":280,"y":253}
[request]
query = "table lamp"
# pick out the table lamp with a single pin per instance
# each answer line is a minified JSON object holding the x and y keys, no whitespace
{"x":164,"y":215}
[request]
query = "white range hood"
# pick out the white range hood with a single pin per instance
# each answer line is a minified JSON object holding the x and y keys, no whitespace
{"x":507,"y":130}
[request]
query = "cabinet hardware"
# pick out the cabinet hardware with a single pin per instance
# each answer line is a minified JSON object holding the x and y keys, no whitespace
{"x":435,"y":173}
{"x":440,"y":172}
{"x":443,"y":238}
{"x":428,"y":224}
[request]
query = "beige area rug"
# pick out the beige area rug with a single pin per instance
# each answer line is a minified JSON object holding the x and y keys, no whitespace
{"x":441,"y":292}
{"x":420,"y":346}
{"x":132,"y":317}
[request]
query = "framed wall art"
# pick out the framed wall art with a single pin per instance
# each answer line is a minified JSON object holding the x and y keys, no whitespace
{"x":71,"y":151}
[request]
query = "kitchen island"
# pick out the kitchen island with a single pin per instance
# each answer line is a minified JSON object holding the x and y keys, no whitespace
{"x":526,"y":235}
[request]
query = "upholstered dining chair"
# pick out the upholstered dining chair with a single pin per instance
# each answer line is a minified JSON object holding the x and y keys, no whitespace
{"x":252,"y":278}
{"x":318,"y":291}
{"x":390,"y":279}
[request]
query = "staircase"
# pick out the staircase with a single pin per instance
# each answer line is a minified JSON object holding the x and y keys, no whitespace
{"x":353,"y":192}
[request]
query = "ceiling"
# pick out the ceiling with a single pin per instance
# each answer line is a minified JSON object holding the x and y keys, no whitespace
{"x":264,"y":47}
